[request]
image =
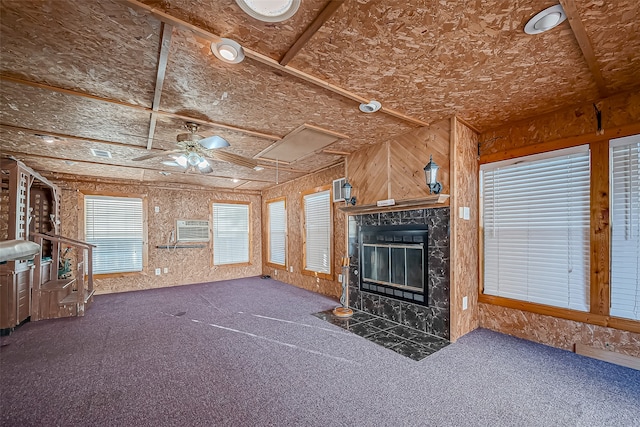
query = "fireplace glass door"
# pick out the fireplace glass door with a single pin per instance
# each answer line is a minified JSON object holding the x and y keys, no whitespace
{"x":400,"y":266}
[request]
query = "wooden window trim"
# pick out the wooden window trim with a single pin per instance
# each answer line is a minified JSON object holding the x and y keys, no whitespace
{"x":145,"y":229}
{"x":303,"y":234}
{"x":600,"y":242}
{"x":268,"y":234}
{"x":249,"y":219}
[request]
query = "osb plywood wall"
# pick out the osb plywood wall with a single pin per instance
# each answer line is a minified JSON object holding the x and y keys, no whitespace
{"x":394,"y":169}
{"x":621,"y":115}
{"x":617,"y":111}
{"x":292,"y":191}
{"x":464,"y":233}
{"x":185,"y":266}
{"x":557,"y":332}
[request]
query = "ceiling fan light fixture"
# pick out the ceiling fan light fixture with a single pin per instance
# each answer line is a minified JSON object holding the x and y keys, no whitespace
{"x":370,"y":107}
{"x":182,"y":161}
{"x":193,"y":159}
{"x":269,"y":10}
{"x":549,"y":18}
{"x":228,"y":51}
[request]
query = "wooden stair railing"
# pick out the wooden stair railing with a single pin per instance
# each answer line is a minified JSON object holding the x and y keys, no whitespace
{"x":53,"y":297}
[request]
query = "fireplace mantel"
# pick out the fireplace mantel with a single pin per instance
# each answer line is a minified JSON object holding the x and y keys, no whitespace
{"x":402,"y":205}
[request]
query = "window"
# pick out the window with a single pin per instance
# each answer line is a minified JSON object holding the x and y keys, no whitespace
{"x":317,"y":229}
{"x":536,"y":228}
{"x":625,"y":227}
{"x":116,"y":226}
{"x":277,"y":217}
{"x":230,"y":233}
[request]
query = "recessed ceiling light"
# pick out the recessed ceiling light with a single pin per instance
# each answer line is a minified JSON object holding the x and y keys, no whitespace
{"x":371,"y":107}
{"x":545,"y":20}
{"x":235,"y":180}
{"x":227,"y":51}
{"x":164,"y":173}
{"x":269,"y":10}
{"x":69,"y":162}
{"x":258,"y":168}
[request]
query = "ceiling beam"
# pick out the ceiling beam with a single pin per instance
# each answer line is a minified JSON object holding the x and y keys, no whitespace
{"x":19,"y":154}
{"x":71,"y":137}
{"x":323,"y":17}
{"x":165,"y":17}
{"x":579,"y":31}
{"x":165,"y":45}
{"x":140,"y":108}
{"x":119,"y":144}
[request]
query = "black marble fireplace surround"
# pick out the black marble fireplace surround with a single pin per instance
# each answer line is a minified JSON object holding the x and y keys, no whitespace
{"x":433,"y":317}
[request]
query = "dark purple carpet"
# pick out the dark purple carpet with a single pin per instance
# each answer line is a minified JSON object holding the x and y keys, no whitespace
{"x":250,"y":353}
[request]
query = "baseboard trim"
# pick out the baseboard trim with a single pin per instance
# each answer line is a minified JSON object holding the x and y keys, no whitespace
{"x":608,"y":356}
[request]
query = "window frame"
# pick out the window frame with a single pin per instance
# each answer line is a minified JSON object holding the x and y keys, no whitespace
{"x":249,"y":233}
{"x":616,"y":143}
{"x":533,"y":293}
{"x":600,"y":232}
{"x":82,"y":232}
{"x":304,"y":269}
{"x":268,"y":261}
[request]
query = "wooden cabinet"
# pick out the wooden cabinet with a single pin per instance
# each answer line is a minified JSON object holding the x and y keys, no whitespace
{"x":15,"y":295}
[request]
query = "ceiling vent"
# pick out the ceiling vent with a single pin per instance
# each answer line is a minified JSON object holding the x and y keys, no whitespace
{"x":101,"y":153}
{"x":300,"y":143}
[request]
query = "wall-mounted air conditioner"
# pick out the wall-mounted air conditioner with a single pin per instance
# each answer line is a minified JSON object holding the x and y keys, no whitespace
{"x":338,"y":191}
{"x":188,"y":230}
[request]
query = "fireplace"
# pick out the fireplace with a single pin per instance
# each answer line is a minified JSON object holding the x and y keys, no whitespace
{"x":393,"y":261}
{"x":391,"y":284}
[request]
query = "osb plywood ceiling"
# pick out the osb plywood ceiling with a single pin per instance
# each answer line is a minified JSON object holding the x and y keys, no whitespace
{"x":125,"y":76}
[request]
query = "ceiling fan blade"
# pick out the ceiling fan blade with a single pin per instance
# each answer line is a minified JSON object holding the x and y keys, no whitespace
{"x":233,"y":158}
{"x":205,"y":170}
{"x":214,"y":141}
{"x":156,"y":154}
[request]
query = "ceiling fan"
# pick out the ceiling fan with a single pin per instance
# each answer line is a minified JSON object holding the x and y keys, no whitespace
{"x":195,"y":149}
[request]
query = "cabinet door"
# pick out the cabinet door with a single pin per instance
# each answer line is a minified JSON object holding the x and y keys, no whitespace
{"x":23,"y":295}
{"x":7,"y":300}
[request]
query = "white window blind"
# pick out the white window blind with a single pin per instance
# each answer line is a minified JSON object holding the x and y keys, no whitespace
{"x":277,"y":232}
{"x":230,"y":233}
{"x":115,"y":226}
{"x":536,"y":228}
{"x":317,"y":221}
{"x":625,"y":227}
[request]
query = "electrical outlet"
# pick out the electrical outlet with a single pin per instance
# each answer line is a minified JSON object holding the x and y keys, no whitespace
{"x":157,"y":209}
{"x":340,"y":278}
{"x":157,"y":271}
{"x":275,"y":272}
{"x":291,"y":269}
{"x":317,"y":280}
{"x":166,"y":270}
{"x":465,"y":304}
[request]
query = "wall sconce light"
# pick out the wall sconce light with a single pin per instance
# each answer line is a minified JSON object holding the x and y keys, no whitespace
{"x":431,"y":176}
{"x":347,"y":194}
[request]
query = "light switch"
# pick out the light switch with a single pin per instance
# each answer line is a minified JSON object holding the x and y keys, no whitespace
{"x":465,"y":214}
